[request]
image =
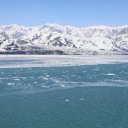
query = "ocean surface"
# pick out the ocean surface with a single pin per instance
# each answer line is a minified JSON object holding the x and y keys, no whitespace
{"x":66,"y":96}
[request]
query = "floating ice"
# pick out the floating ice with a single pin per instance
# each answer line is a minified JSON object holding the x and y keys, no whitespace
{"x":67,"y":100}
{"x":14,"y":61}
{"x":9,"y":84}
{"x":45,"y":86}
{"x":82,"y":99}
{"x":63,"y":86}
{"x":96,"y":69}
{"x":54,"y":78}
{"x":111,"y":74}
{"x":45,"y":78}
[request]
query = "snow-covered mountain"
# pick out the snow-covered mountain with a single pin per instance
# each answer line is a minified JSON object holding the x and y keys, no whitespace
{"x":56,"y":39}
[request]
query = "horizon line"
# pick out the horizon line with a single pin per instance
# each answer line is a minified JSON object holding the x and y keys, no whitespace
{"x":64,"y":25}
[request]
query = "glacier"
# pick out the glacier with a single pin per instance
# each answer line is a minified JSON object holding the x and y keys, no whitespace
{"x":66,"y":40}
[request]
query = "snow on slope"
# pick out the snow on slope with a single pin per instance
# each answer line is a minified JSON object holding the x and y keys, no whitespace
{"x":56,"y":39}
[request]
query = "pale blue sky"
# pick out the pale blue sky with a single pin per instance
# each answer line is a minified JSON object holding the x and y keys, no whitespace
{"x":77,"y":13}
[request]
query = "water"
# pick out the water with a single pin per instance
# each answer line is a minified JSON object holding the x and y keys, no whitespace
{"x":88,"y":96}
{"x":30,"y":80}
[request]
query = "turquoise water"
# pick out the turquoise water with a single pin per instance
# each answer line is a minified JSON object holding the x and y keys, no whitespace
{"x":91,"y":96}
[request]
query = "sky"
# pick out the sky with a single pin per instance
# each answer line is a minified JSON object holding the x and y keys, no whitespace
{"x":78,"y":13}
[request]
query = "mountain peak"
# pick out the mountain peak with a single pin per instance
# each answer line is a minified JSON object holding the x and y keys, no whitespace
{"x":64,"y":39}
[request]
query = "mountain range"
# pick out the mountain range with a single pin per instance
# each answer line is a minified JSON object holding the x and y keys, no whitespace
{"x":57,"y":39}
